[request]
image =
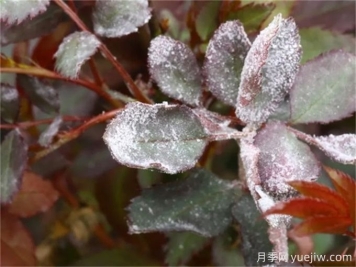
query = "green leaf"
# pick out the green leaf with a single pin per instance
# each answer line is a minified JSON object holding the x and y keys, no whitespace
{"x":182,"y":246}
{"x":200,"y":203}
{"x":252,"y":15}
{"x":224,"y":60}
{"x":174,"y":67}
{"x":316,"y":41}
{"x":74,"y":50}
{"x":10,"y":105}
{"x":13,"y":162}
{"x":324,"y":90}
{"x":13,"y":11}
{"x":166,"y":137}
{"x":207,"y":19}
{"x":270,"y":68}
{"x":115,"y":257}
{"x":41,"y":93}
{"x":225,"y":249}
{"x":114,"y":18}
{"x":31,"y":28}
{"x":283,"y":158}
{"x":254,"y":231}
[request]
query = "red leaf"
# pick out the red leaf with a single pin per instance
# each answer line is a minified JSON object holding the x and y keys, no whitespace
{"x":322,"y":224}
{"x":346,"y":186}
{"x":303,"y":208}
{"x":323,"y":193}
{"x":17,"y":247}
{"x":35,"y":195}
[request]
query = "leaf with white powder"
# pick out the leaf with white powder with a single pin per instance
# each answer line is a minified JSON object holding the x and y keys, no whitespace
{"x":174,"y":67}
{"x":200,"y":203}
{"x":10,"y":103}
{"x":269,"y":71}
{"x":113,"y":18}
{"x":224,"y":60}
{"x":74,"y":50}
{"x":166,"y":137}
{"x":46,"y":137}
{"x":15,"y":11}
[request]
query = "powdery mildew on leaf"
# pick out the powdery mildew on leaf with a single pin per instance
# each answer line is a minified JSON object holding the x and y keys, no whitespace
{"x":200,"y":203}
{"x":113,"y":18}
{"x":269,"y":71}
{"x":10,"y":102}
{"x":174,"y":67}
{"x":47,"y":136}
{"x":74,"y":50}
{"x":324,"y":90}
{"x":15,"y":11}
{"x":224,"y":60}
{"x":283,"y":158}
{"x":166,"y":137}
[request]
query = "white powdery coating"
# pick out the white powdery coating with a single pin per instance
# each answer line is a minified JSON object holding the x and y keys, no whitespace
{"x":224,"y":60}
{"x":15,"y":11}
{"x":174,"y":67}
{"x":341,"y":148}
{"x":47,"y":136}
{"x":283,"y":158}
{"x":270,"y":68}
{"x":74,"y":50}
{"x":166,"y":137}
{"x":116,"y":18}
{"x":324,"y":90}
{"x":9,"y":93}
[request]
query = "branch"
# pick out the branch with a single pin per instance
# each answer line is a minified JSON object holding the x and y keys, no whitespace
{"x":134,"y":90}
{"x":28,"y":124}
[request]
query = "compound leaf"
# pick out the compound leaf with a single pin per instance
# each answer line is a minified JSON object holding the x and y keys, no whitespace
{"x":13,"y":163}
{"x":114,"y":18}
{"x":283,"y":158}
{"x":324,"y":90}
{"x":175,"y":69}
{"x":224,"y":60}
{"x":13,"y":11}
{"x":269,"y":70}
{"x":74,"y":50}
{"x":166,"y":137}
{"x":200,"y":203}
{"x":10,"y":105}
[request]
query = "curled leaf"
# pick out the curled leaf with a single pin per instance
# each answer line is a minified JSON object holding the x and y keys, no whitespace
{"x":269,"y":71}
{"x":166,"y":137}
{"x":13,"y":11}
{"x":224,"y":60}
{"x":113,"y":18}
{"x":175,"y":69}
{"x":74,"y":50}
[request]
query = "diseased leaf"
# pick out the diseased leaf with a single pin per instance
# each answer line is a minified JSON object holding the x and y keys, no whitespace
{"x":316,"y":41}
{"x":224,"y":60}
{"x":182,"y":246}
{"x":114,"y":18}
{"x":225,"y":250}
{"x":333,"y":15}
{"x":252,"y":15}
{"x":46,"y":137}
{"x":40,"y":92}
{"x":17,"y":247}
{"x":324,"y":89}
{"x":207,"y":19}
{"x":32,"y":27}
{"x":13,"y":162}
{"x":329,"y":224}
{"x":74,"y":50}
{"x":35,"y":195}
{"x":269,"y":71}
{"x":254,"y":231}
{"x":200,"y":203}
{"x":175,"y":69}
{"x":283,"y":158}
{"x":166,"y":137}
{"x":10,"y":104}
{"x":13,"y":11}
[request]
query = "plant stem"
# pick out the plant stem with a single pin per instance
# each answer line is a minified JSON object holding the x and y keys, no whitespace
{"x":28,"y":124}
{"x":135,"y":91}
